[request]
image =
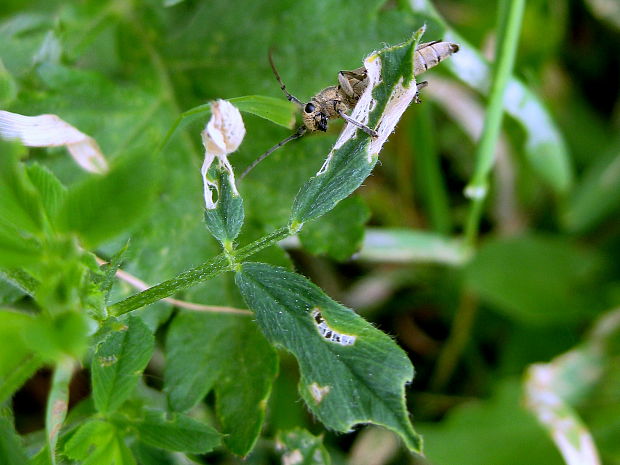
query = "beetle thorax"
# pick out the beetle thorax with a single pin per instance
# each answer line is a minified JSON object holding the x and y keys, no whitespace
{"x":323,"y":107}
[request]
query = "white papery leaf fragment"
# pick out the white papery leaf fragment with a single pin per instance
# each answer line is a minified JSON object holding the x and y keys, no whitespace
{"x":52,"y":131}
{"x":222,"y":136}
{"x":552,"y":388}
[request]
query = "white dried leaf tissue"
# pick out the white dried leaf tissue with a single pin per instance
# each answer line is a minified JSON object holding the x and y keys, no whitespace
{"x":52,"y":131}
{"x":222,"y":136}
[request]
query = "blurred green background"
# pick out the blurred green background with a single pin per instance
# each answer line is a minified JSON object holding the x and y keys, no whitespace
{"x":544,"y":270}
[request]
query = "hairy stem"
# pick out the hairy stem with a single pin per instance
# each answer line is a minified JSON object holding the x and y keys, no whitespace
{"x":58,"y":403}
{"x":217,"y":265}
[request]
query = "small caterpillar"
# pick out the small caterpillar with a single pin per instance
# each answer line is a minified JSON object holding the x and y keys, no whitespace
{"x":328,"y":333}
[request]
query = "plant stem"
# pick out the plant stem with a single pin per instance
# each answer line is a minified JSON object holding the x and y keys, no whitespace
{"x":204,"y":272}
{"x":456,"y":342}
{"x":250,"y":249}
{"x":207,"y":270}
{"x":58,"y":403}
{"x":509,"y":25}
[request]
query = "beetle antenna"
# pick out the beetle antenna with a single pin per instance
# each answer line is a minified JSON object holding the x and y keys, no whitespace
{"x":291,"y":98}
{"x":296,"y":135}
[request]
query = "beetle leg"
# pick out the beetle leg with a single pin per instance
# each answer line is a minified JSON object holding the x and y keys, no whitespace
{"x":363,"y":127}
{"x":420,"y":85}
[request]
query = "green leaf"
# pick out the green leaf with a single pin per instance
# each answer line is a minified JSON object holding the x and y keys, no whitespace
{"x":42,"y":457}
{"x":148,"y":455}
{"x":225,"y":220}
{"x":285,"y":410}
{"x":536,"y":279}
{"x":340,"y":232}
{"x":90,"y":435}
{"x":21,"y":280}
{"x":276,"y":110}
{"x":500,"y":423}
{"x":16,"y":249}
{"x":51,"y":190}
{"x":177,"y":432}
{"x":354,"y":155}
{"x":102,"y":207}
{"x":14,"y":329}
{"x":54,"y":337}
{"x":348,"y":168}
{"x":227,"y":352}
{"x":597,"y":197}
{"x":545,"y":147}
{"x":350,"y":372}
{"x":98,"y":442}
{"x":25,"y":368}
{"x":8,"y":87}
{"x":119,"y":361}
{"x":298,"y":446}
{"x":9,"y":293}
{"x":21,"y":205}
{"x":11,"y":449}
{"x":122,"y":117}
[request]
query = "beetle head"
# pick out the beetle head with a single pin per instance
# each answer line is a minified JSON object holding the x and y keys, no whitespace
{"x":314,"y":119}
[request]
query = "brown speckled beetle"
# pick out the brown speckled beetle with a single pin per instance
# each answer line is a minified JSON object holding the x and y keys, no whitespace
{"x":334,"y":101}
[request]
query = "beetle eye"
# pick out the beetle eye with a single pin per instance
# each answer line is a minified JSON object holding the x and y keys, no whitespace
{"x":309,"y":108}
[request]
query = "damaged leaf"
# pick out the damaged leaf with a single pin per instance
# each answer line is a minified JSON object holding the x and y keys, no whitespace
{"x":300,"y":447}
{"x":351,"y":372}
{"x":391,"y":88}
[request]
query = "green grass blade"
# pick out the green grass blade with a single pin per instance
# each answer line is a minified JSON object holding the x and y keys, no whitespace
{"x":510,"y":18}
{"x":545,"y":148}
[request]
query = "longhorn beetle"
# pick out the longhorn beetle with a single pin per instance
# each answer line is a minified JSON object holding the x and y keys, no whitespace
{"x":332,"y":102}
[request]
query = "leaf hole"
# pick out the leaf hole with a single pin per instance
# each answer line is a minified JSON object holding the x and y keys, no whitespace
{"x":317,"y":392}
{"x":329,"y":333}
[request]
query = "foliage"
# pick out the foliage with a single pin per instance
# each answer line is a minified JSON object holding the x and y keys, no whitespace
{"x":500,"y":295}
